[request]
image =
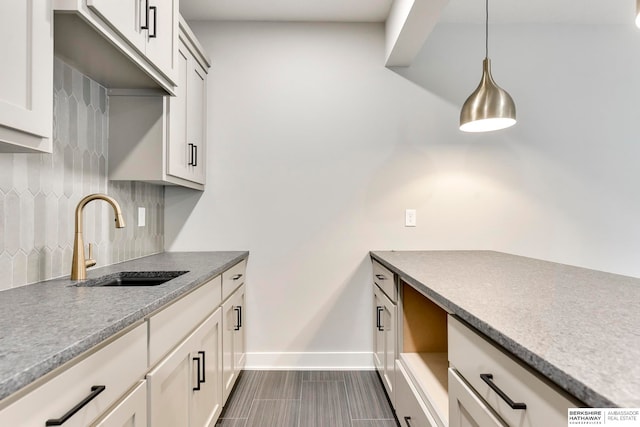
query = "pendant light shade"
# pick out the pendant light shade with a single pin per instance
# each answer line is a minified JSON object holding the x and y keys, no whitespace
{"x":489,"y":107}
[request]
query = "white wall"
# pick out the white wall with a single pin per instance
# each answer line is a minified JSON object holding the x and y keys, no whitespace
{"x":315,"y":150}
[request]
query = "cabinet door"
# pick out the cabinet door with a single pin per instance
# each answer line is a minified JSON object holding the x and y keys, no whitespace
{"x":178,"y":152}
{"x":384,"y":354}
{"x":378,"y":332}
{"x":466,"y":409}
{"x":206,"y":396}
{"x":130,"y":412}
{"x":187,"y":151}
{"x":26,"y":75}
{"x":196,"y":120}
{"x":162,"y":36}
{"x":232,"y":339}
{"x":126,"y":17}
{"x":239,"y":335}
{"x":388,"y":325}
{"x":169,"y":386}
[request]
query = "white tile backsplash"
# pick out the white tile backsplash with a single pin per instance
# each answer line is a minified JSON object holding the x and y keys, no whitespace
{"x":39,"y":192}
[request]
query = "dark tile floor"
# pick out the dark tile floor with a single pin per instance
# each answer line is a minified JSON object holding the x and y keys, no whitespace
{"x":308,"y":399}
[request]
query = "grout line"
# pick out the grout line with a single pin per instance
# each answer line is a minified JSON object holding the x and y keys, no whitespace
{"x":346,"y":393}
{"x":300,"y":400}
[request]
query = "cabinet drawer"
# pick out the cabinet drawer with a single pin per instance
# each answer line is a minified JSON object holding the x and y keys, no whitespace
{"x":116,"y":366}
{"x":472,"y":355}
{"x":130,"y":412}
{"x":233,"y":278}
{"x":410,"y":409}
{"x":385,"y":279}
{"x":466,"y":408}
{"x":170,"y":325}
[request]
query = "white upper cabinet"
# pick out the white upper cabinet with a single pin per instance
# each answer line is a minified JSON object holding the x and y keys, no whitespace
{"x":122,"y":44}
{"x":187,"y":120}
{"x":26,"y":76}
{"x":162,"y":35}
{"x":162,"y":139}
{"x":127,"y":17}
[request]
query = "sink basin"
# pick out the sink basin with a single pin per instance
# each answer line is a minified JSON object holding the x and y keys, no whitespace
{"x":133,"y":278}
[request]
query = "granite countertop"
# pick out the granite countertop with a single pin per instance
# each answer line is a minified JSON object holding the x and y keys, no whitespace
{"x":49,"y":323}
{"x":579,"y":328}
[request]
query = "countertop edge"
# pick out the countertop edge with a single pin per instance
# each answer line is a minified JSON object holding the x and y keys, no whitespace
{"x":52,"y":362}
{"x":533,"y":361}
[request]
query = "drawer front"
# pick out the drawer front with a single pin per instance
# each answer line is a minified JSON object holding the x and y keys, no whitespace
{"x":117,"y":367}
{"x":410,"y":409}
{"x":385,"y":279}
{"x":472,"y":356}
{"x":466,"y":408}
{"x":233,"y":278}
{"x":171,"y":325}
{"x":130,"y":412}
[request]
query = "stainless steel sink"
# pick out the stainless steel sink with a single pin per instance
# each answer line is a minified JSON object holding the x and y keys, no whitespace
{"x":132,"y":278}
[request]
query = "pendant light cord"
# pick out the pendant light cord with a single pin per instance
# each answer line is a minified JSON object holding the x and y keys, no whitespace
{"x":486,"y":30}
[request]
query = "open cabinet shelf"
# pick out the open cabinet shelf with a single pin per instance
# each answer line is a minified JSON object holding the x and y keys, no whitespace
{"x":428,"y":372}
{"x":424,"y":351}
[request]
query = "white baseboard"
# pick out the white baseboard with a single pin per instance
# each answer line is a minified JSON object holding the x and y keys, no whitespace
{"x":310,"y":361}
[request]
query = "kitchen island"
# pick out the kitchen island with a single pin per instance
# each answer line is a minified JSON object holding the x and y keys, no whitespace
{"x":575,"y":327}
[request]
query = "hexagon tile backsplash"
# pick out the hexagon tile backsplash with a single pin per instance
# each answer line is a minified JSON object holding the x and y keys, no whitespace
{"x":39,"y":193}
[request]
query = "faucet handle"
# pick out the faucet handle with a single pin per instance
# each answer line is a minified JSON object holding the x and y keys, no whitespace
{"x":90,"y":262}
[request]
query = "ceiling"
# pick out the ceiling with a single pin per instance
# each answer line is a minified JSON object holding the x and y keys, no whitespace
{"x":286,"y":10}
{"x":467,"y":11}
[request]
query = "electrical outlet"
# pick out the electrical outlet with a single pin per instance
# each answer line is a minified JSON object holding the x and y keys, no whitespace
{"x":142,"y":217}
{"x":410,"y":218}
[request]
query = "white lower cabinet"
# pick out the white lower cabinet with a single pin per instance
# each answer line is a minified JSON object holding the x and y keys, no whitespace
{"x":164,"y":372}
{"x":185,"y":388}
{"x":130,"y":412}
{"x":233,"y":339}
{"x":385,"y":336}
{"x":85,"y":390}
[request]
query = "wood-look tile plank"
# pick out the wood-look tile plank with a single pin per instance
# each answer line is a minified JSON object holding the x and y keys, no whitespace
{"x":324,"y":404}
{"x":323,"y":376}
{"x":279,"y":385}
{"x":367,"y":399}
{"x":239,"y":402}
{"x":375,"y":423}
{"x":274,"y":413}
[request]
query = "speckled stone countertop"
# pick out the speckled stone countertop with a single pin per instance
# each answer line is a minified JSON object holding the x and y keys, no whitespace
{"x":47,"y":324}
{"x":579,"y":328}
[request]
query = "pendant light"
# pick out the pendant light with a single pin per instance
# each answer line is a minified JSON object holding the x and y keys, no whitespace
{"x":489,"y":107}
{"x":638,"y":13}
